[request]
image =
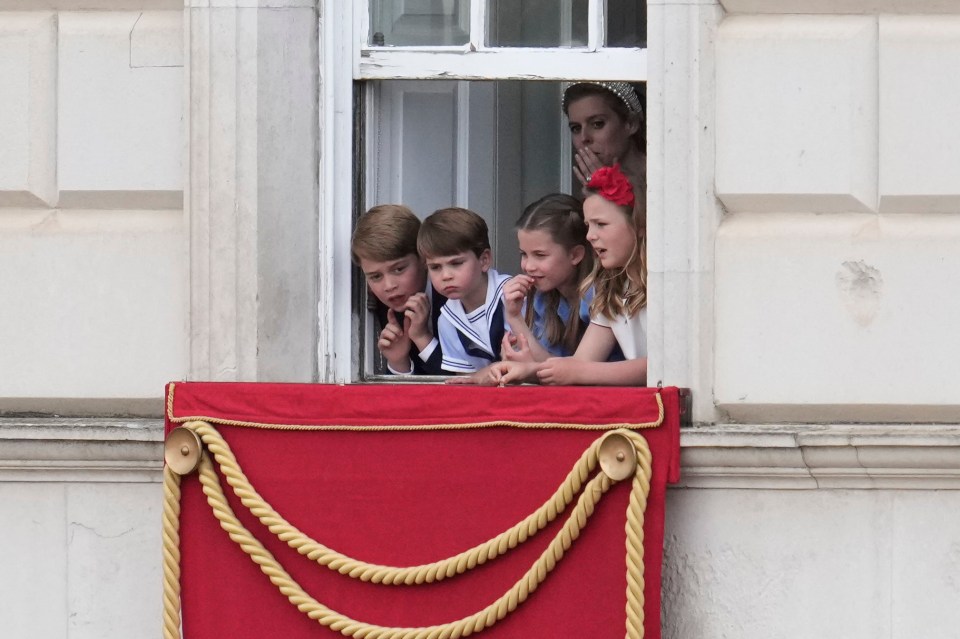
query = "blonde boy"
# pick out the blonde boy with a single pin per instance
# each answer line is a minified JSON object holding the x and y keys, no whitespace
{"x":384,"y":246}
{"x":456,"y":247}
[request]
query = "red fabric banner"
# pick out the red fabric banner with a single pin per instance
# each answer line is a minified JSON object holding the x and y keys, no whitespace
{"x":410,"y":474}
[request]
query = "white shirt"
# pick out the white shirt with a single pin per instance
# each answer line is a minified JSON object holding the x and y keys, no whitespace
{"x":631,"y":332}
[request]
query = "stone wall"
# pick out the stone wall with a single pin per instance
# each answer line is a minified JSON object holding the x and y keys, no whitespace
{"x":837,"y":165}
{"x":167,"y":210}
{"x":92,"y":236}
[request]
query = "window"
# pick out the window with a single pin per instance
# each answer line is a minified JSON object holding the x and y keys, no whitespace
{"x":457,"y":102}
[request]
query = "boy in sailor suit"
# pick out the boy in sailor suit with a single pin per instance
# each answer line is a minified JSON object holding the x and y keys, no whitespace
{"x":456,"y":247}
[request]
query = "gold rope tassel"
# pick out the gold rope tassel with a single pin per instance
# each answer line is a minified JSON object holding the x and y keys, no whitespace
{"x":485,"y":618}
{"x":635,"y":510}
{"x":391,"y":575}
{"x":171,"y":554}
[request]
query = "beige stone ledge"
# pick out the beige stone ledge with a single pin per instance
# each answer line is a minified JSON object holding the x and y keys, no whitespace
{"x":746,"y":456}
{"x":81,"y":450}
{"x":841,"y":6}
{"x":88,"y":5}
{"x":812,"y":456}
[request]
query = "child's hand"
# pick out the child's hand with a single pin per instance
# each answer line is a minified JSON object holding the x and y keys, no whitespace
{"x":560,"y":371}
{"x":514,"y":292}
{"x":515,"y":348}
{"x":482,"y":377}
{"x":586,"y":163}
{"x":394,"y":343}
{"x":503,"y":373}
{"x":417,"y":320}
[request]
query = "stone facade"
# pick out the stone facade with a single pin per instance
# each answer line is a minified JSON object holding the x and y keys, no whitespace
{"x":171,"y":207}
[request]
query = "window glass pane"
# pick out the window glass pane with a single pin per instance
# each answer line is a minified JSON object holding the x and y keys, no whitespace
{"x":492,"y":147}
{"x":626,"y":23}
{"x":537,"y":23}
{"x":419,"y":22}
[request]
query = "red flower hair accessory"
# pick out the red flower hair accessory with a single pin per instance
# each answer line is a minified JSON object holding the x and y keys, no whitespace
{"x":611,"y":184}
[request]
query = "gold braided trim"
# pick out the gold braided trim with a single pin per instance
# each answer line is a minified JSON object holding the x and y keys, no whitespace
{"x":640,"y":490}
{"x":485,"y":618}
{"x":171,"y":554}
{"x":390,"y":575}
{"x":170,"y":400}
{"x":414,"y":427}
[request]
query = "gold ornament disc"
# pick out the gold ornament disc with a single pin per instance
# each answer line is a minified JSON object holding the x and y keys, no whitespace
{"x":618,"y":457}
{"x":182,"y":450}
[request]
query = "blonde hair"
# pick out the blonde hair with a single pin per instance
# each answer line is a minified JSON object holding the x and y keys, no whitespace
{"x":452,"y":230}
{"x":385,"y":232}
{"x":623,"y":291}
{"x":561,"y":216}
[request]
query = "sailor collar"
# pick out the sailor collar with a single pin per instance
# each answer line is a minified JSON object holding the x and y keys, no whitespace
{"x":468,"y":323}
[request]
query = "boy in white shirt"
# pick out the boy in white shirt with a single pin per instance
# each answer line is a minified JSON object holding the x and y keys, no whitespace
{"x":456,"y":247}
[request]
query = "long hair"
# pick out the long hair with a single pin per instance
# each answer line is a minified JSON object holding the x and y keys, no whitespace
{"x":561,"y":217}
{"x":623,"y":291}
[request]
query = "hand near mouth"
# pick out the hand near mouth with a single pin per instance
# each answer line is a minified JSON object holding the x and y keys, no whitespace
{"x":587,"y":161}
{"x":394,"y":343}
{"x":514,"y":292}
{"x":417,"y":320}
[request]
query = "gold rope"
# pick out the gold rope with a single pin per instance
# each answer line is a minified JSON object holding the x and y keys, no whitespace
{"x":485,"y":618}
{"x":171,"y":554}
{"x":640,"y":489}
{"x":474,"y":623}
{"x":376,"y":573}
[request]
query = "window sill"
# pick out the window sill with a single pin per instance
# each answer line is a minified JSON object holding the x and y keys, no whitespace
{"x":738,"y":456}
{"x":86,"y":449}
{"x":837,"y":456}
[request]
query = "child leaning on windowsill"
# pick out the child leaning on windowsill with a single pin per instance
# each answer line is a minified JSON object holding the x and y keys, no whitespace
{"x":456,"y":248}
{"x":615,"y":213}
{"x":384,"y":246}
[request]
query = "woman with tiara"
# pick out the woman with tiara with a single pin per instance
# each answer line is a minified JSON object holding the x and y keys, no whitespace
{"x":607,"y":126}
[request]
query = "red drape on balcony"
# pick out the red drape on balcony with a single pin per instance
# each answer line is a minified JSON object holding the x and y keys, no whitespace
{"x":426,"y":474}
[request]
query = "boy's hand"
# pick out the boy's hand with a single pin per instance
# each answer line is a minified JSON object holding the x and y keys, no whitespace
{"x":514,"y":292}
{"x":515,"y":348}
{"x":560,"y":371}
{"x":417,"y":320}
{"x":394,"y":343}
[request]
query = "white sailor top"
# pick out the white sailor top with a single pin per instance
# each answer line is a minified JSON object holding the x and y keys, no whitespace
{"x":471,"y":341}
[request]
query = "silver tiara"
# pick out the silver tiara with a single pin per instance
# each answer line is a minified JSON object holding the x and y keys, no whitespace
{"x":623,"y":90}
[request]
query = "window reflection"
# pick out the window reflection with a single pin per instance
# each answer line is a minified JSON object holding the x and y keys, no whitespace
{"x":537,"y":23}
{"x":419,"y":22}
{"x":626,"y":23}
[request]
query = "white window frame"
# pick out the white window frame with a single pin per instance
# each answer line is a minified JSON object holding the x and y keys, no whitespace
{"x":344,"y":31}
{"x":476,"y":61}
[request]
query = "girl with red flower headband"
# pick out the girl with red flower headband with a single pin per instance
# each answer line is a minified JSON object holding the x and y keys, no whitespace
{"x":615,"y":213}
